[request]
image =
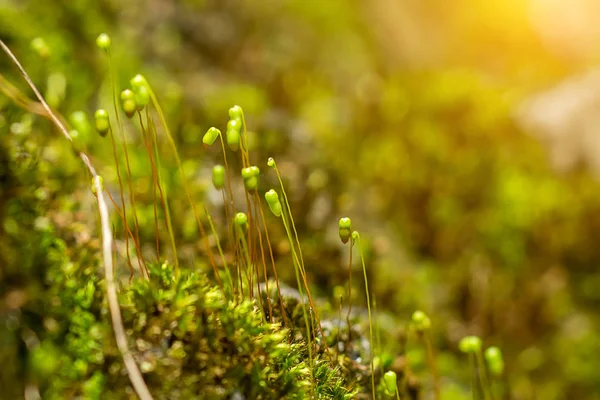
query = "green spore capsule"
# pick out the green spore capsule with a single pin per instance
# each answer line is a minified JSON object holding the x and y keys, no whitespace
{"x":103,"y":41}
{"x":142,"y":97}
{"x":137,"y":82}
{"x":218,"y":176}
{"x":345,"y":229}
{"x":102,"y":121}
{"x":94,"y":184}
{"x":272,"y":199}
{"x":421,"y":321}
{"x":79,"y":121}
{"x":271,"y":162}
{"x":210,"y":136}
{"x":40,"y":47}
{"x":250,"y":176}
{"x":128,"y":102}
{"x":470,"y":344}
{"x":241,"y":221}
{"x":233,"y":134}
{"x":495,"y":362}
{"x":236,"y":112}
{"x":390,"y":382}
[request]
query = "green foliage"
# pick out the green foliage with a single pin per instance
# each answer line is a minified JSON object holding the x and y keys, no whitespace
{"x":195,"y":343}
{"x":466,"y":219}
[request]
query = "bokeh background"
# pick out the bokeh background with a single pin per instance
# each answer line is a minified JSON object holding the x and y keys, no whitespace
{"x":461,"y":137}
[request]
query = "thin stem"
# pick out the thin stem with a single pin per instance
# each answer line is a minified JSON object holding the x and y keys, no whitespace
{"x":250,"y":236}
{"x":473,"y":375}
{"x":246,"y":259}
{"x":133,"y":371}
{"x":295,"y":261}
{"x":229,"y":205}
{"x":262,"y":215}
{"x":262,"y":252}
{"x":301,"y":262}
{"x":349,"y":296}
{"x":216,"y":235}
{"x":154,"y":186}
{"x":124,"y":216}
{"x":362,"y":260}
{"x":163,"y":193}
{"x":483,"y":377}
{"x":432,"y":364}
{"x":124,"y":142}
{"x":244,"y":142}
{"x":128,"y":232}
{"x":184,"y":179}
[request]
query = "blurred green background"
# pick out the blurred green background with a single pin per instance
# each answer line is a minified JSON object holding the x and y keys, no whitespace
{"x":459,"y":136}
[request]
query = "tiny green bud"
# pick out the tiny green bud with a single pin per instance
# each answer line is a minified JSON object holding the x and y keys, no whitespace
{"x":272,"y":199}
{"x":94,"y":184}
{"x":236,"y":112}
{"x":250,"y":176}
{"x":40,"y":47}
{"x":101,"y":121}
{"x":210,"y":136}
{"x":233,"y":134}
{"x":421,"y":321}
{"x":345,"y":229}
{"x":142,"y":97}
{"x":390,"y":382}
{"x":137,"y":82}
{"x":271,"y":162}
{"x":79,"y":122}
{"x":241,"y":220}
{"x":218,"y":176}
{"x":495,"y":362}
{"x":470,"y":344}
{"x":103,"y":41}
{"x":128,"y":102}
{"x":355,"y":236}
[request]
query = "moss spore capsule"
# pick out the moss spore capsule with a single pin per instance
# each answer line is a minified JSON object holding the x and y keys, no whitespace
{"x":210,"y":136}
{"x":138,"y":81}
{"x":390,"y":382}
{"x":272,"y":199}
{"x":128,"y":102}
{"x":102,"y":121}
{"x":233,"y":134}
{"x":103,"y":41}
{"x":421,"y":321}
{"x":271,"y":162}
{"x":40,"y":46}
{"x":141,"y":91}
{"x":236,"y":112}
{"x":495,"y":361}
{"x":218,"y":176}
{"x":241,"y":221}
{"x":142,"y":97}
{"x":250,"y":176}
{"x":470,"y":344}
{"x":345,"y":229}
